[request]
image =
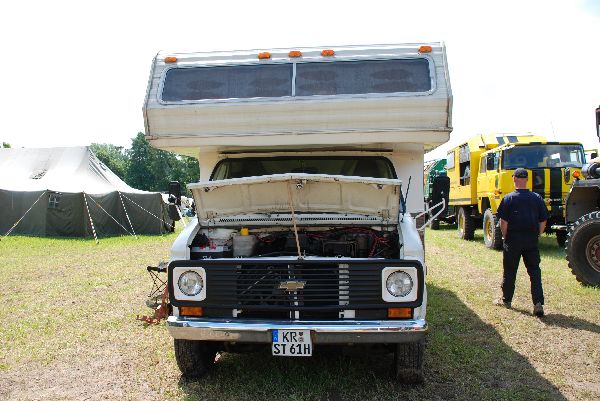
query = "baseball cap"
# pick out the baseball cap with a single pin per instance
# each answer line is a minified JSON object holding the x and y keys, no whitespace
{"x":520,"y":173}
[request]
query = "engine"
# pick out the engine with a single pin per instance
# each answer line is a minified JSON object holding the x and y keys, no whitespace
{"x":343,"y":242}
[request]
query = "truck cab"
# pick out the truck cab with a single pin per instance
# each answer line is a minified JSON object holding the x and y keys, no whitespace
{"x":481,"y":175}
{"x":305,"y":232}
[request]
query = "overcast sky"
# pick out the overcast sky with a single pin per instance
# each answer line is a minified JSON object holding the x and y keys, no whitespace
{"x":76,"y":72}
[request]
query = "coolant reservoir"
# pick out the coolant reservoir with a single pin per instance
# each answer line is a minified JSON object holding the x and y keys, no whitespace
{"x":243,"y":244}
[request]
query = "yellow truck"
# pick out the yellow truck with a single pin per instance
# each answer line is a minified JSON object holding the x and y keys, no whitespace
{"x":480,"y":172}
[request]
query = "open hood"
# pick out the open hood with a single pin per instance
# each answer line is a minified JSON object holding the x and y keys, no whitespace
{"x":314,"y":198}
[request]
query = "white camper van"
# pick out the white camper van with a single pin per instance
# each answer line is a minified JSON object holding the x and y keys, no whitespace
{"x":305,"y":231}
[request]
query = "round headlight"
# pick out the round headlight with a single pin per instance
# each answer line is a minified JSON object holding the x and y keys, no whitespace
{"x":190,"y":283}
{"x":399,"y":284}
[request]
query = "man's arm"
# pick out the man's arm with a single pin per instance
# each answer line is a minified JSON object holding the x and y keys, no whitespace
{"x":543,"y":213}
{"x":504,"y":227}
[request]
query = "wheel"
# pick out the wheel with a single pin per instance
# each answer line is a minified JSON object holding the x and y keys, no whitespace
{"x":466,"y":225}
{"x":583,"y":248}
{"x":435,"y":224}
{"x":492,"y":235}
{"x":561,"y":238}
{"x":194,"y":358}
{"x":408,"y":362}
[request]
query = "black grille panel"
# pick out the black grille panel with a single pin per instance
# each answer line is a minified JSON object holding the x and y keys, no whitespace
{"x":263,"y":289}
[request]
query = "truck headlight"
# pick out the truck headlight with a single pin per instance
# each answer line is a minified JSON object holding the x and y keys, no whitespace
{"x":399,"y":284}
{"x":190,"y":283}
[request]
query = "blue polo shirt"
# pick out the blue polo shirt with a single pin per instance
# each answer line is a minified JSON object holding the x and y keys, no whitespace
{"x":523,"y":210}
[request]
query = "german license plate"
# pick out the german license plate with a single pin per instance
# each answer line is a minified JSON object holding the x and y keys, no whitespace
{"x":291,"y":343}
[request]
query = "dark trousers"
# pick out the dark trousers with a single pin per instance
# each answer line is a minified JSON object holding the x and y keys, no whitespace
{"x":519,"y":244}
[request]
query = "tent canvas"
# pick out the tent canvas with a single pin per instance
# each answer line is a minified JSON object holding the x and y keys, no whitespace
{"x":62,"y":191}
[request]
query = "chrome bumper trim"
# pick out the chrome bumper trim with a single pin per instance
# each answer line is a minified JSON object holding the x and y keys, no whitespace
{"x":322,"y":332}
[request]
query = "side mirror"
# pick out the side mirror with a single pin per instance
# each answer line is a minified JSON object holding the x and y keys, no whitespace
{"x":175,"y":192}
{"x":593,"y":155}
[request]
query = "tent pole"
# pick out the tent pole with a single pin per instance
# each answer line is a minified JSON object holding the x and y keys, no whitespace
{"x":90,"y":216}
{"x":18,"y":221}
{"x":127,"y":215}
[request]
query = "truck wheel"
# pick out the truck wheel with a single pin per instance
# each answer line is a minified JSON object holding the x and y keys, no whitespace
{"x":435,"y":224}
{"x":583,"y":248}
{"x":492,"y":235}
{"x":194,"y":358}
{"x":466,"y":225}
{"x":561,"y":238}
{"x":408,"y":362}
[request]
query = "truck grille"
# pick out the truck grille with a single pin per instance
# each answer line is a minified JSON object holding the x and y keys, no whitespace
{"x":314,"y":288}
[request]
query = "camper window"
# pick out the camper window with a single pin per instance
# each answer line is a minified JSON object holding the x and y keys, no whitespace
{"x":361,"y":77}
{"x":227,"y":82}
{"x":316,"y":78}
{"x":464,"y":160}
{"x":450,"y":160}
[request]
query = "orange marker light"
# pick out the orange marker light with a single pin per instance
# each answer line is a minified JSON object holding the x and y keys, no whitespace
{"x":191,"y":311}
{"x":425,"y":49}
{"x":264,"y":55}
{"x":327,"y":53}
{"x":295,"y":53}
{"x":576,"y":174}
{"x":170,"y":59}
{"x":402,"y":313}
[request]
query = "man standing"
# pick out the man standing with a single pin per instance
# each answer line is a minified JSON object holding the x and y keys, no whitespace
{"x":523,"y":216}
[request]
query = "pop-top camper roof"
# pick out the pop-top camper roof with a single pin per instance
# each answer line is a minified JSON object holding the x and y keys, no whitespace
{"x":351,"y":96}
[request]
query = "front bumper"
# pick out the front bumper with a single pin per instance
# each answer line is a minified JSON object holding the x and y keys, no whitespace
{"x":322,"y":332}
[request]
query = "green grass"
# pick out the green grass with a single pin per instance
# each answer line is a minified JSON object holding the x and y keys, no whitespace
{"x":69,"y":332}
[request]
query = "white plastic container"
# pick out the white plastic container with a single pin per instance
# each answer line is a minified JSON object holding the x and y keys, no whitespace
{"x":243,"y":245}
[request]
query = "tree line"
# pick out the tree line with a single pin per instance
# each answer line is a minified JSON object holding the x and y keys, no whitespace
{"x":147,"y":168}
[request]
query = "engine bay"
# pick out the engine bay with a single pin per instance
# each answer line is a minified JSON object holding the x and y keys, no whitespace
{"x":351,"y":242}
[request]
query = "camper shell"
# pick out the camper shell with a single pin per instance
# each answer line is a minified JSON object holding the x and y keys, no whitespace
{"x":403,"y":112}
{"x":306,"y":213}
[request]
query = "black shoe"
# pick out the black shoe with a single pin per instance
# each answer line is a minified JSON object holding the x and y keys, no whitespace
{"x":538,"y":310}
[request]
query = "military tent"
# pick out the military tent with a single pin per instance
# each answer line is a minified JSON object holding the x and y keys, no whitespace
{"x":68,"y":192}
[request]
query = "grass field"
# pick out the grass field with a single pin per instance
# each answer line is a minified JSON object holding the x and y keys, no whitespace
{"x":69,"y":332}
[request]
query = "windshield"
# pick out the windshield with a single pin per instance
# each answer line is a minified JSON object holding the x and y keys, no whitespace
{"x":543,"y":156}
{"x":375,"y":167}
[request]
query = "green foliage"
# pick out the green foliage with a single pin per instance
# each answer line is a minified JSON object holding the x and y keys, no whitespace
{"x":147,"y":168}
{"x":5,"y":145}
{"x":113,"y":157}
{"x":151,"y":169}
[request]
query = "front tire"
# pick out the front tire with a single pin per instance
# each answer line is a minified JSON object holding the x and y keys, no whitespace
{"x":583,"y":248}
{"x":435,"y":224}
{"x":466,"y":224}
{"x":408,"y":362}
{"x":492,"y":234}
{"x":194,"y":358}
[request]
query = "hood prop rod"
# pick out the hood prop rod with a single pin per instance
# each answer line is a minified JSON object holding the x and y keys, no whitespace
{"x":294,"y":220}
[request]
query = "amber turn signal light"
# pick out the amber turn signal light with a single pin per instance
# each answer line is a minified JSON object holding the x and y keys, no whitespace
{"x":576,"y":174}
{"x":191,"y":311}
{"x":170,"y":59}
{"x":327,"y":53}
{"x":400,"y":313}
{"x":425,"y":49}
{"x":295,"y":53}
{"x":264,"y":55}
